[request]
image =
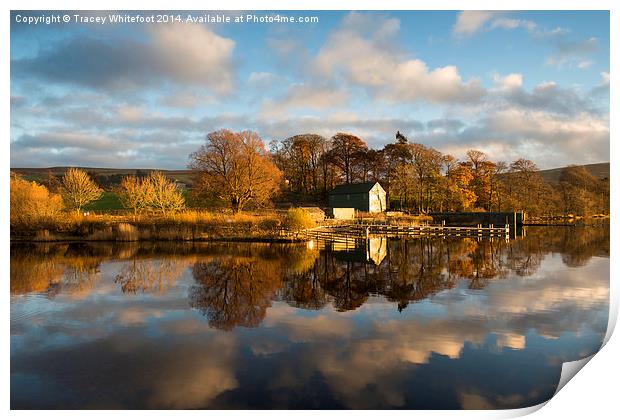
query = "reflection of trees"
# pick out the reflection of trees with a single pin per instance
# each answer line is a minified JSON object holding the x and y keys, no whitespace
{"x":579,"y":244}
{"x":70,"y":268}
{"x":235,"y":290}
{"x":34,"y":268}
{"x":235,"y":283}
{"x":304,"y":290}
{"x":146,"y":276}
{"x":416,"y":270}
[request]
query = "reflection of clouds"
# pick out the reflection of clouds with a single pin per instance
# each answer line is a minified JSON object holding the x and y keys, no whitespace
{"x":517,"y":304}
{"x":159,"y":353}
{"x":315,"y":326}
{"x":510,"y":340}
{"x":135,"y":316}
{"x":194,"y":378}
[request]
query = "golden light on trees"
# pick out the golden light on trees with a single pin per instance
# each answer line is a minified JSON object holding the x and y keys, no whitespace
{"x":236,"y":168}
{"x":32,"y":203}
{"x":78,"y":189}
{"x":154,"y":192}
{"x":346,"y":149}
{"x":163,"y":193}
{"x":134,"y":193}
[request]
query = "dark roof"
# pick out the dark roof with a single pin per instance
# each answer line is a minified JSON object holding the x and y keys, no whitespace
{"x":359,"y":188}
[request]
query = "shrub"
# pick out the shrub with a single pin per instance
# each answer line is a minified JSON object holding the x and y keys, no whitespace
{"x":32,"y":204}
{"x":298,"y":219}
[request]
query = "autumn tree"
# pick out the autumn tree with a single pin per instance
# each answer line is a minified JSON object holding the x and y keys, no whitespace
{"x":395,"y":155}
{"x":31,"y":203}
{"x":236,"y":168}
{"x":134,"y":193}
{"x":162,"y":194}
{"x":482,"y":169}
{"x":299,"y":158}
{"x":529,"y":191}
{"x":426,"y":163}
{"x":78,"y":189}
{"x":458,"y":195}
{"x":345,"y":153}
{"x":582,"y":193}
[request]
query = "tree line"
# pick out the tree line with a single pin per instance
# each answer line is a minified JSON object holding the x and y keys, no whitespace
{"x":237,"y":169}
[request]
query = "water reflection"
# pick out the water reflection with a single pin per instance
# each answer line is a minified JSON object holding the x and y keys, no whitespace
{"x":424,"y":323}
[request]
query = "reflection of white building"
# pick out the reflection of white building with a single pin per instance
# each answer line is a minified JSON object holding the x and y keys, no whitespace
{"x":376,"y":249}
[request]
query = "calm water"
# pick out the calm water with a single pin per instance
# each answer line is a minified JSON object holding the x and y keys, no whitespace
{"x":419,"y":323}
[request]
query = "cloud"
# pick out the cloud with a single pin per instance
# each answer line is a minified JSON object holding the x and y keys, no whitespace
{"x":18,"y":102}
{"x":605,"y":78}
{"x":585,"y":64}
{"x":262,"y":78}
{"x":302,"y":96}
{"x":469,"y":22}
{"x":508,"y":82}
{"x":570,"y":53}
{"x":549,"y":139}
{"x":183,"y":53}
{"x":472,"y":21}
{"x":367,"y":58}
{"x":546,"y":96}
{"x":66,"y":140}
{"x":506,"y":23}
{"x":445,"y":124}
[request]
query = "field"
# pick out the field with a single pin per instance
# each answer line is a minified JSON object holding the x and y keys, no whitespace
{"x":108,"y":201}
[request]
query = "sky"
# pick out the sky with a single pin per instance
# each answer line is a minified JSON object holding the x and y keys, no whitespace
{"x":512,"y":84}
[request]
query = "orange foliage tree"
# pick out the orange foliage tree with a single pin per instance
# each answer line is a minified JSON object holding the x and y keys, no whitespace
{"x":236,"y":168}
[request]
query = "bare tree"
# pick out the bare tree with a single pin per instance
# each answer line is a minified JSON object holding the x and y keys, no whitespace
{"x":78,"y":189}
{"x":134,"y":193}
{"x":163,"y":194}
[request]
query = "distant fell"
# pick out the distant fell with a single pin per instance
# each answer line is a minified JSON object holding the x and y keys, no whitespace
{"x":599,"y":170}
{"x":38,"y":174}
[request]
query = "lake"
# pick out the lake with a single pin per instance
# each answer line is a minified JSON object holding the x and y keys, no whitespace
{"x":423,"y":323}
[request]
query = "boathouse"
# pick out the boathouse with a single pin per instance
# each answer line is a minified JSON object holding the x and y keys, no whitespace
{"x":365,"y":196}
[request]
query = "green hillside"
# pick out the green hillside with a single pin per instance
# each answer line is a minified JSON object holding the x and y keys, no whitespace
{"x":39,"y":174}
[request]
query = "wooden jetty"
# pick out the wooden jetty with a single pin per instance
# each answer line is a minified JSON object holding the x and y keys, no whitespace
{"x":351,"y":232}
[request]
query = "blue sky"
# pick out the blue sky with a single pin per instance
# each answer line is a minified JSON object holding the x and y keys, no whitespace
{"x":513,"y":84}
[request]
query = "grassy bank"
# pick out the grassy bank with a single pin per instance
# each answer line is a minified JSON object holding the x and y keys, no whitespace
{"x":189,"y":225}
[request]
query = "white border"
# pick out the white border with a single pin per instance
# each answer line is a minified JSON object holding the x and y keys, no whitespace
{"x":593,"y":394}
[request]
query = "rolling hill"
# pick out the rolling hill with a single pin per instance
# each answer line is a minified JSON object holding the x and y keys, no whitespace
{"x":599,"y":170}
{"x":38,"y":174}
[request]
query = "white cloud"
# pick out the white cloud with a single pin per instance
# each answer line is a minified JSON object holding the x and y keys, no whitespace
{"x":365,"y":58}
{"x":261,"y":77}
{"x":605,"y":78}
{"x":302,"y":96}
{"x":469,"y":22}
{"x":194,"y":54}
{"x":508,"y":82}
{"x":507,"y":23}
{"x":585,"y":64}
